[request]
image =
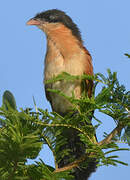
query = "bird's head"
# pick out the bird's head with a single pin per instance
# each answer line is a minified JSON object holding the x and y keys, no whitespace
{"x":52,"y":19}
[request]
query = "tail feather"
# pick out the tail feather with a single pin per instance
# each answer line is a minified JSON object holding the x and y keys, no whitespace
{"x":78,"y":149}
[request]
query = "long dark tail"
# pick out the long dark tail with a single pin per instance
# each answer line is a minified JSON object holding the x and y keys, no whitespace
{"x":77,"y":150}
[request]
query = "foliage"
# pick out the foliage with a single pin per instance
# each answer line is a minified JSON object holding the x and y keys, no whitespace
{"x":128,"y":55}
{"x":23,"y":133}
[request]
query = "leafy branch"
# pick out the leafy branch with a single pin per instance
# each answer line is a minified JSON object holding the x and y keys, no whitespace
{"x":23,"y":133}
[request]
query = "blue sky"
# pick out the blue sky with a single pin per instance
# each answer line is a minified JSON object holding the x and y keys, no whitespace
{"x":105,"y":28}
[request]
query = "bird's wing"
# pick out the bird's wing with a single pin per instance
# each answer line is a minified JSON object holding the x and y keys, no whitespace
{"x":88,"y":71}
{"x":47,"y":93}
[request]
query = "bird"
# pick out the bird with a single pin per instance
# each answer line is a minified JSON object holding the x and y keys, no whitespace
{"x":65,"y":53}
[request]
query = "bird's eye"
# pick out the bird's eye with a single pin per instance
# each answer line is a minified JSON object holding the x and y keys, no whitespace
{"x":52,"y":18}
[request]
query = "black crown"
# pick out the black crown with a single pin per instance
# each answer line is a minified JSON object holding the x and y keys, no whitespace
{"x":55,"y":16}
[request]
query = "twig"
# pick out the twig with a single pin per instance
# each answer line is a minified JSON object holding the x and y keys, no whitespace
{"x":111,"y":135}
{"x":68,"y":126}
{"x":72,"y":165}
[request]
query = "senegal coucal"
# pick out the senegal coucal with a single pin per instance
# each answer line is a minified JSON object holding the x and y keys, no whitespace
{"x":65,"y":53}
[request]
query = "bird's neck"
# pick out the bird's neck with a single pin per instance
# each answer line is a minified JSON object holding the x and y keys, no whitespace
{"x":61,"y":41}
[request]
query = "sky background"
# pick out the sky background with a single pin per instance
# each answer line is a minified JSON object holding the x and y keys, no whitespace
{"x":105,"y":28}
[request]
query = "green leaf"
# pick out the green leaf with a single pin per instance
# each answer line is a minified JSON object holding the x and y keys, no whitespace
{"x":128,"y":55}
{"x":119,"y":149}
{"x":126,"y":135}
{"x":9,"y":100}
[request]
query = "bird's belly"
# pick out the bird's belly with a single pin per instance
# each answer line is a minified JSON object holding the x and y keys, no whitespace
{"x":58,"y":102}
